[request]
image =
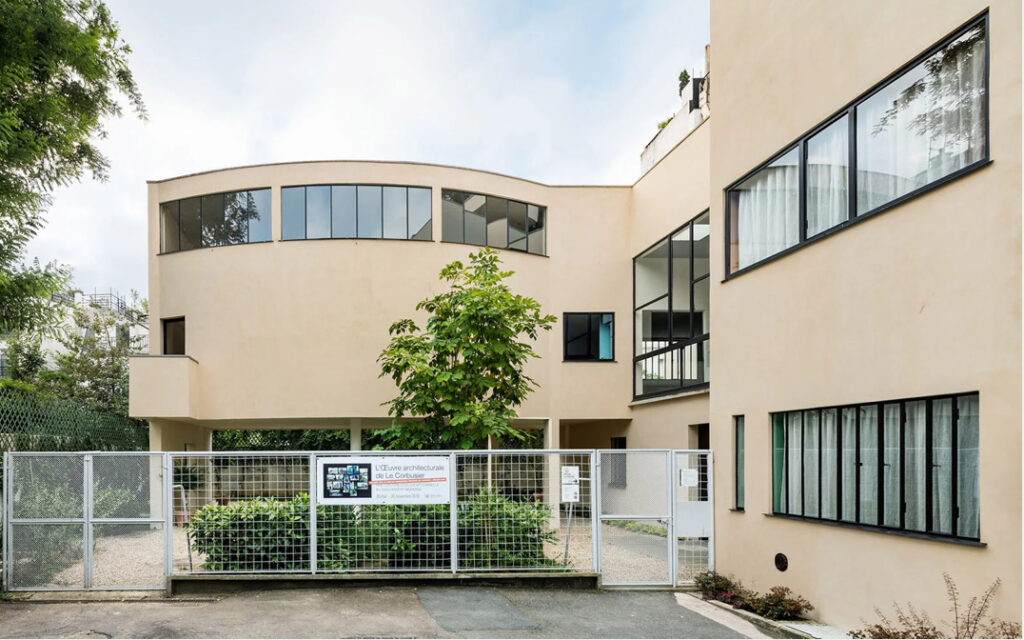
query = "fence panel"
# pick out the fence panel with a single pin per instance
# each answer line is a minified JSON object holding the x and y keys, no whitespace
{"x":693,"y":490}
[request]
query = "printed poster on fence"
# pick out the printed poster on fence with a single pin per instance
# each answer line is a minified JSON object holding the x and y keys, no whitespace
{"x":383,"y":480}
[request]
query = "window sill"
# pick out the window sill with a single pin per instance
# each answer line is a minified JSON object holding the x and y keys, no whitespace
{"x":586,"y":361}
{"x":897,"y":532}
{"x":162,"y":355}
{"x":738,"y":510}
{"x":219,"y":246}
{"x":672,"y":396}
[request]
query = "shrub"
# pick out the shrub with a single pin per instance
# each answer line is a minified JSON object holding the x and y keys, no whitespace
{"x":269,"y":534}
{"x":971,"y":621}
{"x":779,"y":604}
{"x":712,"y":585}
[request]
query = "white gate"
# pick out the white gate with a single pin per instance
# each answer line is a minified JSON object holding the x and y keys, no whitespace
{"x":693,"y":515}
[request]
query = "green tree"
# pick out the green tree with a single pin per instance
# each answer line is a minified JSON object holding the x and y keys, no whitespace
{"x":684,"y":77}
{"x":63,"y":67}
{"x":461,"y":377}
{"x":92,"y":368}
{"x":25,"y":358}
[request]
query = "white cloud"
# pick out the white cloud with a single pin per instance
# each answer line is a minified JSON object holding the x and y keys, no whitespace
{"x":566,"y":93}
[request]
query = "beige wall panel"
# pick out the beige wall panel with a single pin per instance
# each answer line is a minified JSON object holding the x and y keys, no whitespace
{"x":923,"y":299}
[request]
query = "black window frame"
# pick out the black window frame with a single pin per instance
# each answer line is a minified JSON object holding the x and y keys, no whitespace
{"x":330,"y":211}
{"x":200,"y":198}
{"x":542,"y":215}
{"x":164,"y":322}
{"x":618,"y":472}
{"x":929,"y":530}
{"x":591,"y":316}
{"x":739,"y":434}
{"x":701,"y":341}
{"x":850,"y":109}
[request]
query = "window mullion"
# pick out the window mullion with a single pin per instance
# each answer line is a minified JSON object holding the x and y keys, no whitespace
{"x":903,"y":465}
{"x":851,"y":179}
{"x":802,"y":207}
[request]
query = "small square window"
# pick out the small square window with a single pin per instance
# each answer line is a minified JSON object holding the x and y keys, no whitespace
{"x":589,"y":336}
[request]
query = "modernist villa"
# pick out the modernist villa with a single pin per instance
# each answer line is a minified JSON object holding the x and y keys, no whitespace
{"x":818,"y":278}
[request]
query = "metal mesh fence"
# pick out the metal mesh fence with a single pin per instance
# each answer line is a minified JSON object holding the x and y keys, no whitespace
{"x":32,"y":422}
{"x":693,"y":513}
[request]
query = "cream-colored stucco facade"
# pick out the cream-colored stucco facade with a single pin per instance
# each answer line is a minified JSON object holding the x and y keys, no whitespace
{"x":921,"y":300}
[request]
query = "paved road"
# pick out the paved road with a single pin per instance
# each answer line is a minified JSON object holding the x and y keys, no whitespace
{"x":424,"y":612}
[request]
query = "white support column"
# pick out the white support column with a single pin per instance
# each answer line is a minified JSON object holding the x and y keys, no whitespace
{"x":355,"y":431}
{"x":553,"y":485}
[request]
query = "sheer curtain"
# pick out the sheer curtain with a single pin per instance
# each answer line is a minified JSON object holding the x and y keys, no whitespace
{"x":828,"y":464}
{"x":942,"y":466}
{"x":827,"y":177}
{"x":926,"y":124}
{"x":914,"y":473}
{"x":869,"y":464}
{"x":849,"y":475}
{"x":891,"y":470}
{"x":767,"y":210}
{"x":794,"y":442}
{"x":967,"y":466}
{"x":811,"y":463}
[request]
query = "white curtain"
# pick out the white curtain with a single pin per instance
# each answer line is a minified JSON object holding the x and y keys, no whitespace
{"x":869,"y":465}
{"x":942,"y":466}
{"x":828,"y":464}
{"x":768,"y":210}
{"x":891,"y":462}
{"x":849,"y":476}
{"x":827,"y":177}
{"x":926,"y":124}
{"x":967,"y":468}
{"x":794,"y":442}
{"x":914,"y":459}
{"x":811,"y":464}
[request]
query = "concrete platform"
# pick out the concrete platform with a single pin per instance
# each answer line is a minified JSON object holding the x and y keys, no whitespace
{"x":218,"y":583}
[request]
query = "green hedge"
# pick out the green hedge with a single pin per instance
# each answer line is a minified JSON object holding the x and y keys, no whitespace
{"x":268,"y":534}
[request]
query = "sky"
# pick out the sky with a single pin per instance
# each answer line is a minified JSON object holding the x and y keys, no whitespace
{"x":558,"y":92}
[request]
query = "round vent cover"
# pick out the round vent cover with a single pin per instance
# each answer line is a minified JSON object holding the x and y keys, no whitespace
{"x":781,"y":561}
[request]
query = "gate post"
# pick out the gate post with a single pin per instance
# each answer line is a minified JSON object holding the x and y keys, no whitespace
{"x":87,"y":526}
{"x":711,"y":502}
{"x":595,"y":511}
{"x":5,"y":521}
{"x":312,"y":513}
{"x":168,"y":498}
{"x":453,"y":509}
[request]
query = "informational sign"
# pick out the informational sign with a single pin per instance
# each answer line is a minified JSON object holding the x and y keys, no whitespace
{"x":570,"y":493}
{"x":570,"y":474}
{"x":383,"y":480}
{"x":688,"y":478}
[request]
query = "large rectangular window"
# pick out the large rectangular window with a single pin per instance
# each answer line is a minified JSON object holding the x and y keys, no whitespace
{"x":483,"y":220}
{"x":909,"y":465}
{"x":174,"y":336}
{"x":215,"y":220}
{"x":671,"y":316}
{"x":355,"y":211}
{"x":589,"y":336}
{"x":923,"y":126}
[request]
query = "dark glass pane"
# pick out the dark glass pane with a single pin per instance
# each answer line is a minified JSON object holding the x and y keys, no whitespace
{"x":190,"y":229}
{"x":848,"y":479}
{"x":318,"y":212}
{"x":214,"y":233}
{"x":236,"y":217}
{"x":701,"y":306}
{"x":925,"y":124}
{"x":794,"y":445}
{"x":476,"y":224}
{"x":779,"y":470}
{"x":740,"y":454}
{"x":169,"y":227}
{"x":293,"y":213}
{"x":419,"y":214}
{"x":517,"y":225}
{"x":580,"y":339}
{"x":343,"y":211}
{"x":174,"y":336}
{"x":701,"y":229}
{"x":259,"y":215}
{"x":535,"y":219}
{"x":650,"y":274}
{"x":370,"y":212}
{"x":395,"y":213}
{"x":497,"y":222}
{"x":451,"y":215}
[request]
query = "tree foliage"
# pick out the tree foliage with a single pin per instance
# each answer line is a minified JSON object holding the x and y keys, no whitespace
{"x":684,"y":77}
{"x":461,"y":377}
{"x":63,"y":67}
{"x":92,"y":368}
{"x":25,"y":358}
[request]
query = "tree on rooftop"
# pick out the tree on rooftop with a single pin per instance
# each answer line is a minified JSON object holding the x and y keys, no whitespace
{"x":63,"y":66}
{"x":461,"y":377}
